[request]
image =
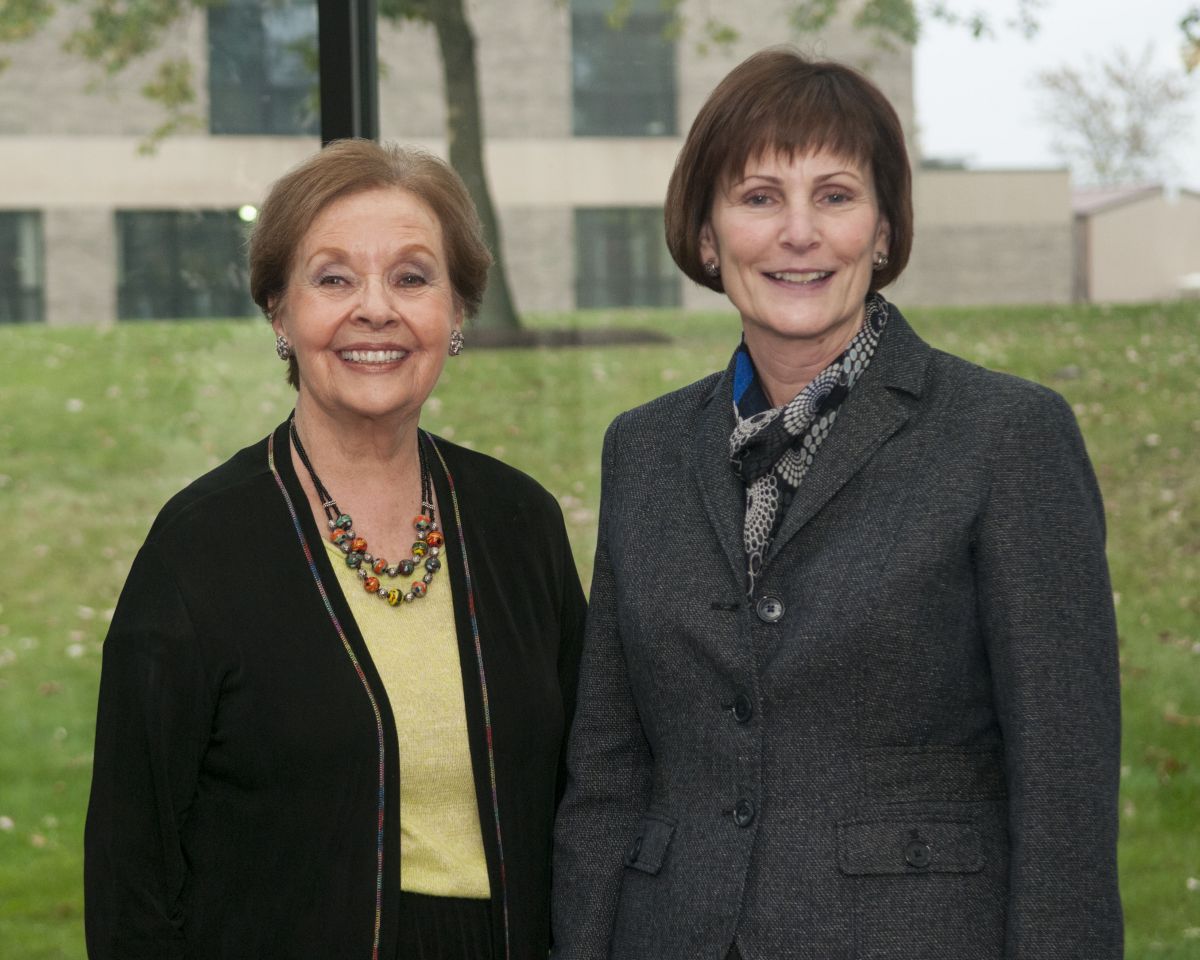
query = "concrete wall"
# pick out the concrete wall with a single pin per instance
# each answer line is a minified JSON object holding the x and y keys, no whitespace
{"x":540,"y":244}
{"x":1141,"y":250}
{"x":989,"y":237}
{"x":80,"y":266}
{"x":45,"y":91}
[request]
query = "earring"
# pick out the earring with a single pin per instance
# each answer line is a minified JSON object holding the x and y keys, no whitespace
{"x":881,"y":261}
{"x":457,"y":342}
{"x":711,"y":268}
{"x":283,"y":348}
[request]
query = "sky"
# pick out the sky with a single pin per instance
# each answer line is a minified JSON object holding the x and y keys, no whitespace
{"x":976,"y":100}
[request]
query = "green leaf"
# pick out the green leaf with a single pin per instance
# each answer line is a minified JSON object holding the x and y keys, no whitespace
{"x":21,"y":19}
{"x":809,"y":16}
{"x":889,"y":20}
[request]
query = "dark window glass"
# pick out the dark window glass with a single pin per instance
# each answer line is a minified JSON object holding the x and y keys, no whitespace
{"x":623,"y":76}
{"x":175,"y":264}
{"x":262,"y":67}
{"x":621,"y":259}
{"x":20,"y":267}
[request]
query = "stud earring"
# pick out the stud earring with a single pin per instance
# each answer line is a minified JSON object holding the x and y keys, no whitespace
{"x":457,"y":342}
{"x":711,"y":268}
{"x":881,"y":261}
{"x":283,"y":348}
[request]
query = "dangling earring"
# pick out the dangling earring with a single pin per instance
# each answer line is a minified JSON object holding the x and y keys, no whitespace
{"x":283,"y":348}
{"x":711,"y":268}
{"x":881,"y":261}
{"x":457,"y":342}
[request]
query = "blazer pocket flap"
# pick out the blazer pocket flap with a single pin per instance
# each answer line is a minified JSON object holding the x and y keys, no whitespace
{"x":873,"y":847}
{"x":648,"y":849}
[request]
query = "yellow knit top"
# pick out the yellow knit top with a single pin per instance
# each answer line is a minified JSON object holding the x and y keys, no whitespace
{"x":415,"y":649}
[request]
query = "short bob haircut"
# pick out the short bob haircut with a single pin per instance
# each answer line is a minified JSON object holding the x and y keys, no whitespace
{"x":779,"y":101}
{"x":346,"y":167}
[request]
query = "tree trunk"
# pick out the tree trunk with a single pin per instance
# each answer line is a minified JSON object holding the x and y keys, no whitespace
{"x":464,"y":132}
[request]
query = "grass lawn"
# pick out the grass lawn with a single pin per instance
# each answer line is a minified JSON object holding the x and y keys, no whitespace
{"x":99,"y":427}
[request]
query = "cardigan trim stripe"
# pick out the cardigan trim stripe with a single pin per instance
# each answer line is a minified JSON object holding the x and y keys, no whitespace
{"x":312,"y":566}
{"x":487,"y":713}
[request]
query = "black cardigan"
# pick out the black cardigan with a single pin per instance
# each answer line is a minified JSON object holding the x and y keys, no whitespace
{"x":245,"y":794}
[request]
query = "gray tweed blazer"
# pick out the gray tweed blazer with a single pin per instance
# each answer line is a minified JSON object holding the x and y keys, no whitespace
{"x":906,"y":744}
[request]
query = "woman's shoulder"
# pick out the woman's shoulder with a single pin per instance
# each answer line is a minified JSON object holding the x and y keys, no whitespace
{"x":981,"y":390}
{"x":974,"y":390}
{"x":669,"y":410}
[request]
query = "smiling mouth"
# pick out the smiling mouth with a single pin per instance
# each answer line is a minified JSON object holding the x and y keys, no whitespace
{"x":373,"y":356}
{"x":808,"y":276}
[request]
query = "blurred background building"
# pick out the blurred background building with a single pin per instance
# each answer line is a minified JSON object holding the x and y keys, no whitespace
{"x":582,"y":123}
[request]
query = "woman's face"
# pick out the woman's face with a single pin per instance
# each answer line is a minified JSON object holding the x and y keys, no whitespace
{"x":795,"y":240}
{"x":369,"y":306}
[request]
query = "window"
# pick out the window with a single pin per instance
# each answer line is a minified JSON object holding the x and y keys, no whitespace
{"x":621,"y":259}
{"x":262,"y":67}
{"x":181,"y":263}
{"x":20,"y":267}
{"x":623,"y":77}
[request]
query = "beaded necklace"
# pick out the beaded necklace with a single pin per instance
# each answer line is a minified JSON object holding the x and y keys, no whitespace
{"x":425,"y":549}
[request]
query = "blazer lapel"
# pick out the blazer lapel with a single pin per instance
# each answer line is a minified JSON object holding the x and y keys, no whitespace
{"x":720,"y":490}
{"x":877,"y":407}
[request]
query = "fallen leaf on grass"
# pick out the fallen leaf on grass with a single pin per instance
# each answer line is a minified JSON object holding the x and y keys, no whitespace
{"x":1176,"y":719}
{"x":1166,"y":764}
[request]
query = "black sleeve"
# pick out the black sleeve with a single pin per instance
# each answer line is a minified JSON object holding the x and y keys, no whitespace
{"x":571,"y":617}
{"x":153,"y":721}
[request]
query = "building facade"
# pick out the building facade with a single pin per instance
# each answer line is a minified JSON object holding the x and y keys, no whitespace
{"x":583,"y":123}
{"x":1136,"y":243}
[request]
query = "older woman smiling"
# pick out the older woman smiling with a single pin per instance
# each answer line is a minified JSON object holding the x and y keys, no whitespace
{"x":315,"y":730}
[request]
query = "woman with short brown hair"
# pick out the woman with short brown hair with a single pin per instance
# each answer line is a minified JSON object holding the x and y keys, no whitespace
{"x":849,"y":686}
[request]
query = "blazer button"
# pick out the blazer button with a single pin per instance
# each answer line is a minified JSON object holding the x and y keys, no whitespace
{"x":743,"y":709}
{"x":916,"y":854}
{"x":769,"y":609}
{"x":743,"y":813}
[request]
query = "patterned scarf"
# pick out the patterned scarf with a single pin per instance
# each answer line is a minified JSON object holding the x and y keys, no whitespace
{"x":771,"y":449}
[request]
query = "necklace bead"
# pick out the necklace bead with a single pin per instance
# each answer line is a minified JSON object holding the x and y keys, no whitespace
{"x":425,"y":548}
